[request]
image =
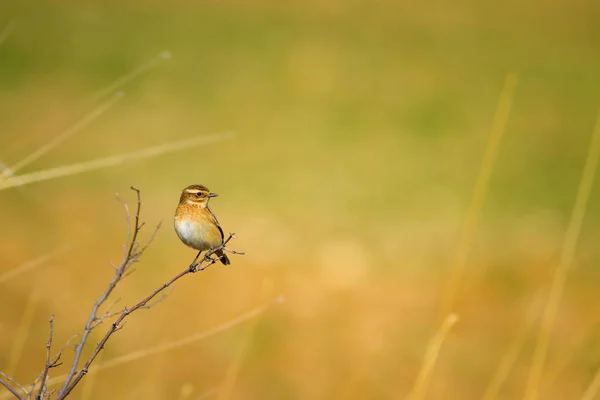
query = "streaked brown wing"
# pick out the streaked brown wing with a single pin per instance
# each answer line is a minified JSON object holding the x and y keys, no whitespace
{"x":216,"y":221}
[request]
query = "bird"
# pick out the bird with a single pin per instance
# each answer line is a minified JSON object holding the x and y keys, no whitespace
{"x":195,"y":223}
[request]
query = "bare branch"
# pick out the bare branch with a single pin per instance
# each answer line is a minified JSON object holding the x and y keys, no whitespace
{"x":54,"y":363}
{"x":128,"y":219}
{"x":10,"y":388}
{"x":119,"y":272}
{"x":107,"y":314}
{"x":49,"y":363}
{"x":151,"y":239}
{"x":119,"y":322}
{"x":132,"y":251}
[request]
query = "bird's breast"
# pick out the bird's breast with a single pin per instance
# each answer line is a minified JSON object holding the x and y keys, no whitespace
{"x":195,"y":235}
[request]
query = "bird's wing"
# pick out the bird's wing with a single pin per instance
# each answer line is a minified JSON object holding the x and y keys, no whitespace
{"x":216,"y":221}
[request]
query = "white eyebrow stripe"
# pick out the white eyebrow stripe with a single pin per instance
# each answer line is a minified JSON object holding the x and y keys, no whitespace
{"x":193,"y":191}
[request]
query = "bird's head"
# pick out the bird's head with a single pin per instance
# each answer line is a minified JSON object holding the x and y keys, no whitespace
{"x":196,"y":195}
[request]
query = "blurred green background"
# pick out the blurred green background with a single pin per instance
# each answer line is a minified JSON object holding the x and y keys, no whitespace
{"x":360,"y":130}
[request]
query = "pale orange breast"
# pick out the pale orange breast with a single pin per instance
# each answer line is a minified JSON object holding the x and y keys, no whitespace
{"x":198,"y":233}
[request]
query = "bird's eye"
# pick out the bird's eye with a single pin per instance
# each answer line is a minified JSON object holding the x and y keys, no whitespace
{"x":198,"y":194}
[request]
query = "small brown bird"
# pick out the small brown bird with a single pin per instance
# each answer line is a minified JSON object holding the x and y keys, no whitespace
{"x":195,"y":223}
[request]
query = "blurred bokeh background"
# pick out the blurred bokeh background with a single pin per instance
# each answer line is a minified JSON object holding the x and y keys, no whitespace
{"x":360,"y":128}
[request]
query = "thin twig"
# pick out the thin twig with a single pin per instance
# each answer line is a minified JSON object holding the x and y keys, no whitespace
{"x":49,"y":363}
{"x":118,"y":324}
{"x":126,"y":262}
{"x":107,"y":314}
{"x":14,"y":382}
{"x":132,"y":254}
{"x":162,"y":348}
{"x":11,"y":389}
{"x":54,"y":363}
{"x":133,"y":251}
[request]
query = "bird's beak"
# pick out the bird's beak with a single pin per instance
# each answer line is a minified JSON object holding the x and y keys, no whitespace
{"x":213,"y":195}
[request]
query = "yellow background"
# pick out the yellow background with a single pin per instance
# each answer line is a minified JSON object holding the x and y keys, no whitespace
{"x":360,"y":128}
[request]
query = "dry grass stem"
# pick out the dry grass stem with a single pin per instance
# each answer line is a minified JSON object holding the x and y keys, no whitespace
{"x":130,"y":257}
{"x":419,"y":390}
{"x":133,"y":250}
{"x":86,"y":120}
{"x":133,"y":254}
{"x":208,"y":394}
{"x":134,"y":356}
{"x":566,"y":260}
{"x":509,"y":359}
{"x":138,"y":355}
{"x":93,"y":165}
{"x":124,"y":79}
{"x":28,"y":266}
{"x":23,"y":330}
{"x":226,"y":388}
{"x":479,"y":193}
{"x":6,"y":31}
{"x":592,"y":389}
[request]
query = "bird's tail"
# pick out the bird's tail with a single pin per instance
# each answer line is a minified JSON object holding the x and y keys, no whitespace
{"x":223,"y":257}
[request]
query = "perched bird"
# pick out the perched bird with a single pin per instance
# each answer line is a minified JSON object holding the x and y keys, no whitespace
{"x":195,"y":223}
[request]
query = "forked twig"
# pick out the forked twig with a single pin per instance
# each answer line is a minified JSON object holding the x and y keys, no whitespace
{"x":118,"y":324}
{"x":129,"y":256}
{"x":54,"y":363}
{"x":50,"y":363}
{"x":132,"y":253}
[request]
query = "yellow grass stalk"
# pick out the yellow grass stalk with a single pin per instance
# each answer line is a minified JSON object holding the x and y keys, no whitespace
{"x":86,"y":120}
{"x":93,"y":165}
{"x":29,"y":265}
{"x":137,"y":355}
{"x":16,"y":350}
{"x":124,"y":79}
{"x":566,"y":260}
{"x":154,"y":377}
{"x":479,"y":193}
{"x":6,"y":31}
{"x":433,"y":349}
{"x":186,"y":391}
{"x":593,"y":388}
{"x":233,"y":371}
{"x":207,"y":394}
{"x":511,"y":356}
